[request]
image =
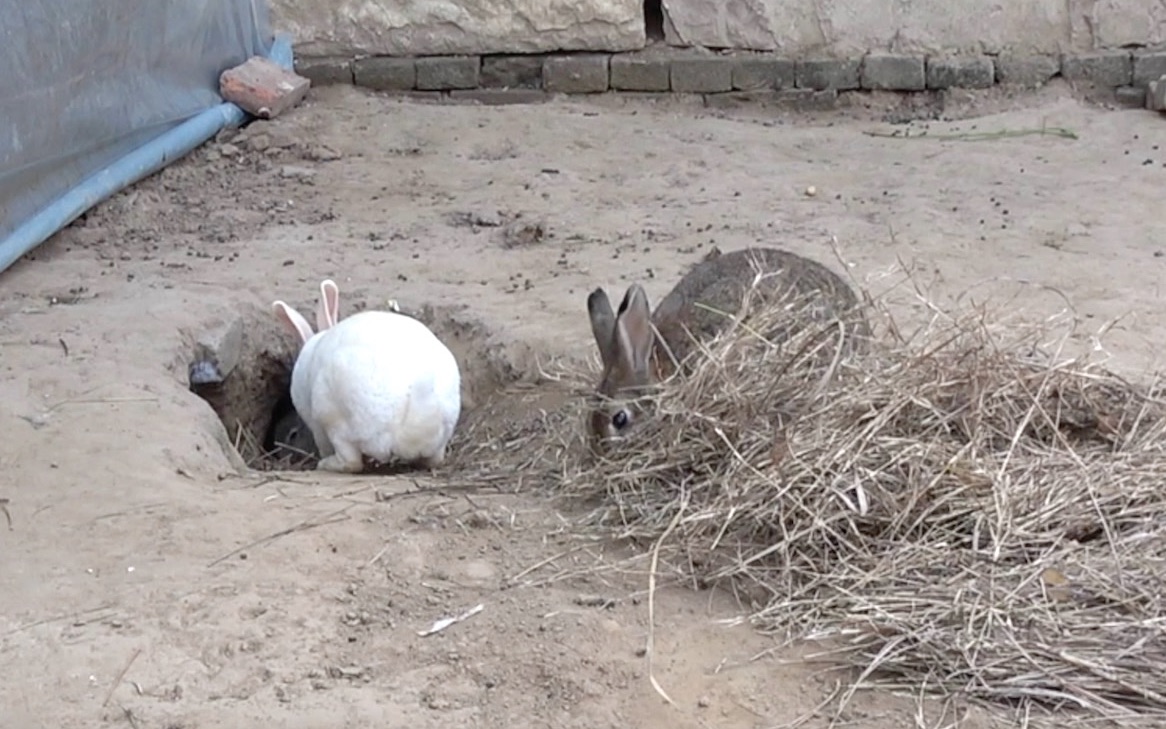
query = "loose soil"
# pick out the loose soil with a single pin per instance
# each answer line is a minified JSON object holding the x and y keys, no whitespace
{"x":147,"y":582}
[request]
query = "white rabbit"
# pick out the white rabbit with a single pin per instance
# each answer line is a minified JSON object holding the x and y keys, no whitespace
{"x":378,"y":384}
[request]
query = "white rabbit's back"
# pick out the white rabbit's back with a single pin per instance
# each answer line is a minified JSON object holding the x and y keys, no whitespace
{"x":384,"y":383}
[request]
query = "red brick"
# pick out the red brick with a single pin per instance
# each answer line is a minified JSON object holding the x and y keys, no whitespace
{"x":262,"y":87}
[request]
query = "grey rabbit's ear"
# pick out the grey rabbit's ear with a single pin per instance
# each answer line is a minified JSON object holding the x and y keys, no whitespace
{"x":633,"y":331}
{"x":602,"y":324}
{"x":293,"y":320}
{"x":328,"y":311}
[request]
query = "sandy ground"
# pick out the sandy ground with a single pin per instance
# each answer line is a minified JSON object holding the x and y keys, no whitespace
{"x":138,"y":583}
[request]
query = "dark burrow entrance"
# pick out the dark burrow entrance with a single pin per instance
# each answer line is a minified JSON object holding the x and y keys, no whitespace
{"x":654,"y":20}
{"x":242,"y":369}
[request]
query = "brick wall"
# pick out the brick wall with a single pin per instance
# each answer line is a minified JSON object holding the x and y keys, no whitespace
{"x":738,"y":76}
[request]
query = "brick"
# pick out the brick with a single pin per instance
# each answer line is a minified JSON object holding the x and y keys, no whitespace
{"x":1156,"y":95}
{"x":443,"y":73}
{"x":1131,"y":97}
{"x":262,"y":88}
{"x":801,"y":100}
{"x":576,"y":74}
{"x":1103,"y":68}
{"x":1148,"y":66}
{"x":1026,"y":71}
{"x":893,"y":72}
{"x":752,"y":73}
{"x":325,"y":71}
{"x":385,"y":74}
{"x":631,"y":72}
{"x":828,"y":73}
{"x":499,"y":97}
{"x":701,"y":75}
{"x":512,"y":72}
{"x":960,"y":72}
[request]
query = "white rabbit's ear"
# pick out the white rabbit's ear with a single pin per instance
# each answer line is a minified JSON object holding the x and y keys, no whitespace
{"x":634,"y":338}
{"x":328,"y":311}
{"x":292,"y":319}
{"x":602,"y":324}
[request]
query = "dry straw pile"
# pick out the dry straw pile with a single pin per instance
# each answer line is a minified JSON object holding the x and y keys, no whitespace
{"x":962,"y":509}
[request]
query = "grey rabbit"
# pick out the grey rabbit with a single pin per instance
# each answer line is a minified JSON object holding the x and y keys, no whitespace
{"x":291,"y":435}
{"x":628,"y":339}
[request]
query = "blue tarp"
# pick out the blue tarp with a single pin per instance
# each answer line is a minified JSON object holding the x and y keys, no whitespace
{"x":87,"y":82}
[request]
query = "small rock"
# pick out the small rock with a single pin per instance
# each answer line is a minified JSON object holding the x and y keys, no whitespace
{"x":321,"y":153}
{"x":292,"y":172}
{"x":259,"y":142}
{"x":473,"y":219}
{"x":349,"y":672}
{"x":205,"y":372}
{"x":811,"y":191}
{"x":229,"y":150}
{"x":221,"y":346}
{"x":523,"y":233}
{"x":598,"y":601}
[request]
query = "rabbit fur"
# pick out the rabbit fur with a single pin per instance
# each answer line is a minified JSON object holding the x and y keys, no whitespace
{"x":378,"y":384}
{"x":639,"y":349}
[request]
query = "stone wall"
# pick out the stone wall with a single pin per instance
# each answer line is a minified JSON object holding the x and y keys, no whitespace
{"x":446,"y":27}
{"x":848,"y":27}
{"x":795,"y":28}
{"x":727,"y":79}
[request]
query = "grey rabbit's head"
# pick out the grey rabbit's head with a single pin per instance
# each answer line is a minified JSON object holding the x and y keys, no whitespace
{"x":695,"y":310}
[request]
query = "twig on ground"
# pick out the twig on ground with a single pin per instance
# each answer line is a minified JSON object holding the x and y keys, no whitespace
{"x":330,"y":518}
{"x":120,"y":676}
{"x":57,"y":618}
{"x":976,"y":136}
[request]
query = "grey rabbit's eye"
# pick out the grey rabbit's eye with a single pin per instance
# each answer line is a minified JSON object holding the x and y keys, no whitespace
{"x":621,"y":419}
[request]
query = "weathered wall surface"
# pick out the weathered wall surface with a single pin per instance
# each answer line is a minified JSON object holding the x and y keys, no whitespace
{"x":449,"y":27}
{"x":794,"y":27}
{"x":846,"y":27}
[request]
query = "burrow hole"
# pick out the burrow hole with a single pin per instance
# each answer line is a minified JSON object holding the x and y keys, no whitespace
{"x":654,"y":20}
{"x":242,"y":369}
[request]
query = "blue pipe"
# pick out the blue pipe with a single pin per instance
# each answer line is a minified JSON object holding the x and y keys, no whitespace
{"x":142,"y":162}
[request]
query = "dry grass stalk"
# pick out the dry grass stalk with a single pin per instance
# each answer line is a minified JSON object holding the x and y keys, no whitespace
{"x":964,"y":508}
{"x":257,"y":458}
{"x":518,"y":440}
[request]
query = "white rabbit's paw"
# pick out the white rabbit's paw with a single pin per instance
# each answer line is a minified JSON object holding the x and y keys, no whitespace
{"x":336,"y":464}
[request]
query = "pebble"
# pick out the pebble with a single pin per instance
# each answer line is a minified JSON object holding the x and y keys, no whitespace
{"x":293,"y":172}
